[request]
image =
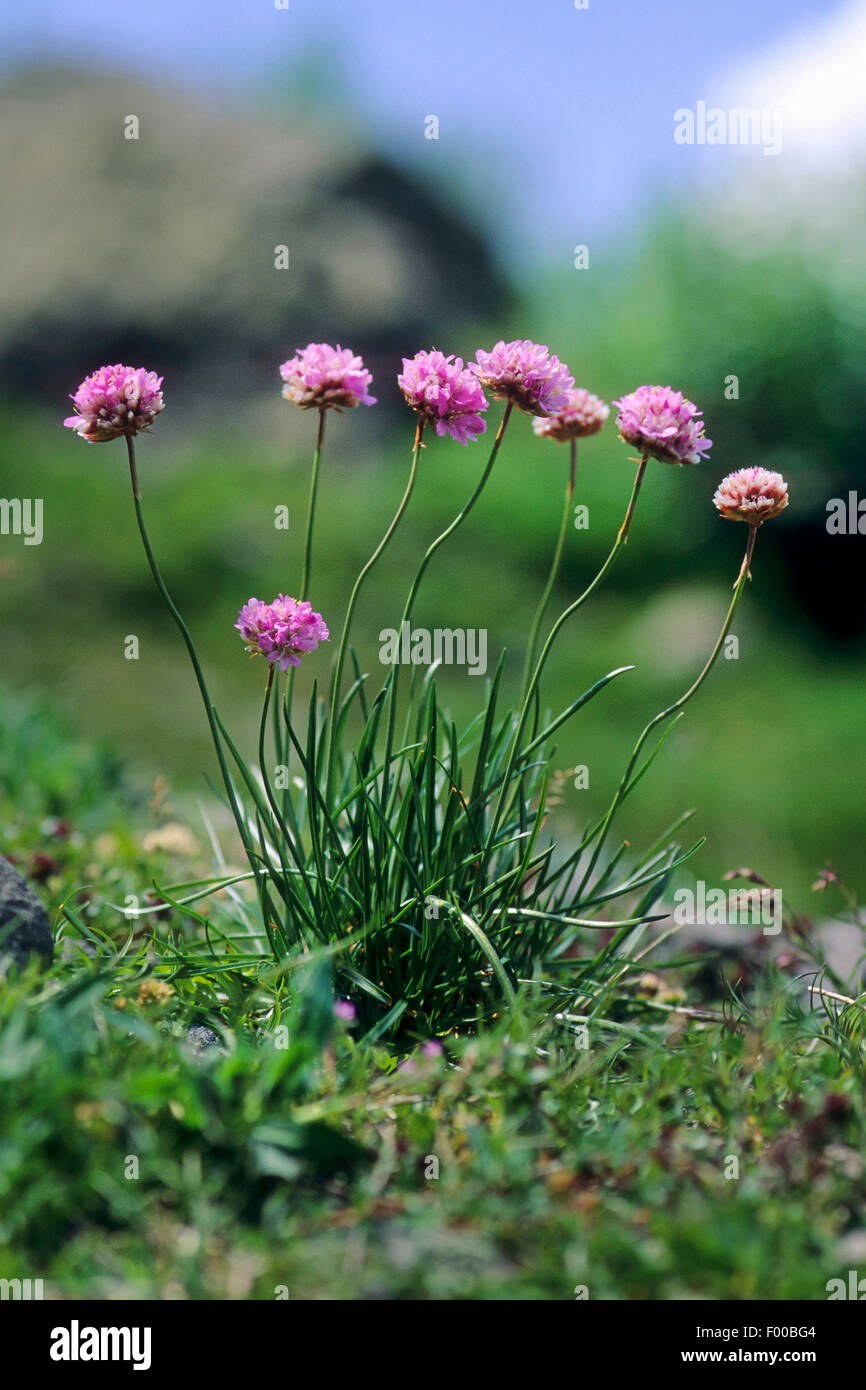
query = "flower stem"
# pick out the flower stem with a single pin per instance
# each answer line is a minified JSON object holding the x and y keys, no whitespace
{"x":413,"y":592}
{"x":671,"y":710}
{"x":283,"y":751}
{"x":622,"y":536}
{"x":629,"y":516}
{"x":746,"y":567}
{"x":264,"y":721}
{"x":461,"y":515}
{"x":554,"y":568}
{"x":311,"y":508}
{"x":347,"y":622}
{"x":188,"y":642}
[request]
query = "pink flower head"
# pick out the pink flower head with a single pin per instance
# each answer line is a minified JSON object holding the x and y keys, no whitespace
{"x":345,"y":1010}
{"x":321,"y":377}
{"x":525,"y":373}
{"x":753,"y":494}
{"x":115,"y":401}
{"x":440,"y":390}
{"x":662,"y":424}
{"x":281,"y":631}
{"x":583,"y":414}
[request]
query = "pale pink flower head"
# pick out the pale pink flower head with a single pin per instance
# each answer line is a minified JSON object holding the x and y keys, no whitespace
{"x":321,"y":377}
{"x":525,"y":373}
{"x":444,"y":393}
{"x":430,"y":1049}
{"x":752,"y":494}
{"x":281,"y":631}
{"x":663,"y":425}
{"x":115,"y":401}
{"x":582,"y":415}
{"x":345,"y":1010}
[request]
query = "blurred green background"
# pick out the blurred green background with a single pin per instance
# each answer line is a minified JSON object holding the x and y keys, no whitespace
{"x":175,"y":272}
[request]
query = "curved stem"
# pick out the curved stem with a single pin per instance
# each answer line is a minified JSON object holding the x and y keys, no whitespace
{"x":264,"y":720}
{"x":664,"y":714}
{"x":554,"y":569}
{"x":461,"y":515}
{"x":622,"y":536}
{"x":413,"y":592}
{"x":353,"y":598}
{"x":188,"y":642}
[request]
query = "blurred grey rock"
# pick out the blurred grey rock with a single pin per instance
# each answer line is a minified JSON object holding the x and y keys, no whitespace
{"x":199,"y":1037}
{"x":163,"y":247}
{"x":24,"y":929}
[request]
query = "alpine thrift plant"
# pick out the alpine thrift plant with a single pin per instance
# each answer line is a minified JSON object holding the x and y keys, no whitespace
{"x":410,"y":858}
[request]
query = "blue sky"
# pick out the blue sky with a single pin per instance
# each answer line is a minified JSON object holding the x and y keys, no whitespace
{"x":560,"y":120}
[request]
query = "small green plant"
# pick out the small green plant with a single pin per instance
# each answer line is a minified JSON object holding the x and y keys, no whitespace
{"x":411,"y":855}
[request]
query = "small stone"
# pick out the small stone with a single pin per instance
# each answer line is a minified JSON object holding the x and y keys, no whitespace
{"x":24,"y":929}
{"x":199,"y":1037}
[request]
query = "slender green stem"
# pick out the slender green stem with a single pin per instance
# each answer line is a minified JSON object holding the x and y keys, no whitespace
{"x":554,"y":568}
{"x":673,"y":709}
{"x":305,"y":576}
{"x":353,"y":598}
{"x":622,"y":536}
{"x":311,"y":508}
{"x":413,"y":592}
{"x":461,"y":515}
{"x":278,"y":813}
{"x":278,"y":951}
{"x":188,"y":642}
{"x":264,"y":720}
{"x":277,"y":728}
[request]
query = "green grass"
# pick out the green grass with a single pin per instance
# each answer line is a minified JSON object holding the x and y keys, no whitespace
{"x":298,"y":1157}
{"x":312,"y":1169}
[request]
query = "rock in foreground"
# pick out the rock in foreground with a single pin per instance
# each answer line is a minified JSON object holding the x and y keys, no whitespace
{"x":24,"y":929}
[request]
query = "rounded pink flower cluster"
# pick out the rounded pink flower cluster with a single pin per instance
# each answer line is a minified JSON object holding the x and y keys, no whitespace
{"x":662,"y":424}
{"x":321,"y":377}
{"x":752,"y":494}
{"x":115,"y":401}
{"x":525,"y":373}
{"x":582,"y":415}
{"x":444,"y":393}
{"x":282,"y":631}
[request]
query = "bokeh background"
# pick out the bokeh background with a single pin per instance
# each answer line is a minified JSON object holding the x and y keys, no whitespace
{"x":306,"y":127}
